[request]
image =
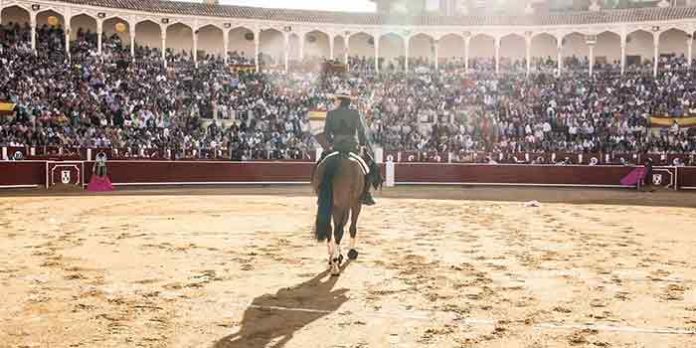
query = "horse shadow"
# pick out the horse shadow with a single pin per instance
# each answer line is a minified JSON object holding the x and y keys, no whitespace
{"x":278,"y":316}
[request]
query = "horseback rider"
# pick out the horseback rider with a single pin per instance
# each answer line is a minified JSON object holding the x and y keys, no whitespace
{"x":344,"y":129}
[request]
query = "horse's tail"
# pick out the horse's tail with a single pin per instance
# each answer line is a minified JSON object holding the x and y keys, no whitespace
{"x":322,"y":226}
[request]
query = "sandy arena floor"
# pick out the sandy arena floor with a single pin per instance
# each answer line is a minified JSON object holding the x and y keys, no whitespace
{"x":194,"y":270}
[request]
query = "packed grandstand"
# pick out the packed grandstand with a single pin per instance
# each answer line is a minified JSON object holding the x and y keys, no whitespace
{"x":192,"y":80}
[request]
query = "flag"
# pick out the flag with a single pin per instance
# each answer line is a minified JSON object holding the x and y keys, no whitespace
{"x":6,"y":108}
{"x":657,"y":121}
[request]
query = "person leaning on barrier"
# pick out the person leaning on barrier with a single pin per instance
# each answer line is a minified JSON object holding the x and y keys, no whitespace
{"x":99,"y":167}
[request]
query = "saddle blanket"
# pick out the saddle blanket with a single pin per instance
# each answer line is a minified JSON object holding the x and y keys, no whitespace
{"x":353,"y":157}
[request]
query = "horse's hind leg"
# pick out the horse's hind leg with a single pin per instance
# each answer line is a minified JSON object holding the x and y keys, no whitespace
{"x":340,"y":217}
{"x":354,"y":214}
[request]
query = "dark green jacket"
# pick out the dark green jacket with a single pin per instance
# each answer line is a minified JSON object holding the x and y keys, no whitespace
{"x":344,"y":129}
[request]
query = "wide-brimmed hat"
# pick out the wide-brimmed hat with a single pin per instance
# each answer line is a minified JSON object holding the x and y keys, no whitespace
{"x":343,"y":94}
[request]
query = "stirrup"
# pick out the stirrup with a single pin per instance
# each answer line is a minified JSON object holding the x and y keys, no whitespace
{"x":367,"y":199}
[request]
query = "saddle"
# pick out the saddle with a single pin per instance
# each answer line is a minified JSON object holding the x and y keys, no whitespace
{"x":351,"y":156}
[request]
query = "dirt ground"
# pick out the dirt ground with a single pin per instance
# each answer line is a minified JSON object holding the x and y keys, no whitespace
{"x":438,"y":267}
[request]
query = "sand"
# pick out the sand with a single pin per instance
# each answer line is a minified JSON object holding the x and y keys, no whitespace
{"x":243,"y":271}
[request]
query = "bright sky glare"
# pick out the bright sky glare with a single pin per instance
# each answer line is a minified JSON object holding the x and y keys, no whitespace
{"x":328,"y":5}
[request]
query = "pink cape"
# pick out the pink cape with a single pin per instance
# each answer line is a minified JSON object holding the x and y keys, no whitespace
{"x":634,"y":177}
{"x":100,"y":184}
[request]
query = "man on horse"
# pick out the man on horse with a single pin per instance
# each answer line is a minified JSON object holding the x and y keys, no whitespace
{"x":345,"y":131}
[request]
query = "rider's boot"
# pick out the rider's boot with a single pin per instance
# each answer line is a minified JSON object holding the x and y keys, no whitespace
{"x":367,"y":196}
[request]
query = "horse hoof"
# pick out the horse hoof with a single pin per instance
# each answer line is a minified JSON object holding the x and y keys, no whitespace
{"x":352,"y":254}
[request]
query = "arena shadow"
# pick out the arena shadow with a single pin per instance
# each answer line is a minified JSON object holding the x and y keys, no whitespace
{"x":276,"y":317}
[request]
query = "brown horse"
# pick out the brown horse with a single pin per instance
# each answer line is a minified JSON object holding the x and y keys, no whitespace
{"x":338,"y":181}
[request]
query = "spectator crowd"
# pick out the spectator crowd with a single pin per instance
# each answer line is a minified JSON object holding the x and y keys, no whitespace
{"x":83,"y":99}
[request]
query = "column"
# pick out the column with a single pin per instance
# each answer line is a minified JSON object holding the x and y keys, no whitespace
{"x":302,"y":40}
{"x":560,"y":55}
{"x":407,"y":44}
{"x":466,"y":54}
{"x":656,"y":51}
{"x":67,"y":38}
{"x":623,"y":54}
{"x":163,"y":30}
{"x":286,"y":38}
{"x":346,"y":40}
{"x":689,"y":45}
{"x":497,"y":55}
{"x":195,"y":47}
{"x":376,"y":53}
{"x":257,"y":33}
{"x":331,"y":47}
{"x":437,"y":54}
{"x":100,"y":26}
{"x":131,"y":31}
{"x":226,"y":43}
{"x":528,"y":48}
{"x":33,"y":32}
{"x":591,"y":57}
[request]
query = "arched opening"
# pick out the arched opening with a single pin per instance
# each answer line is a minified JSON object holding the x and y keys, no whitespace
{"x":210,"y":42}
{"x":513,"y":52}
{"x":148,"y":39}
{"x":482,"y":52}
{"x":391,"y":51}
{"x":339,"y":48}
{"x":451,"y":50}
{"x":607,"y":50}
{"x":421,"y":51}
{"x":361,"y":51}
{"x":673,"y":44}
{"x":179,"y":42}
{"x":241,"y":46}
{"x":544,"y":52}
{"x":83,"y":26}
{"x":316,"y":45}
{"x":272,"y":47}
{"x":116,"y":35}
{"x":15,"y":15}
{"x":50,"y":34}
{"x":693,"y":48}
{"x":639,"y":49}
{"x":18,"y":19}
{"x":83,"y":36}
{"x":574,"y":52}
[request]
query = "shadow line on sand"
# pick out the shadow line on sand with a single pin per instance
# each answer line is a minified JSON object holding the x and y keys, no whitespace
{"x":265,"y":322}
